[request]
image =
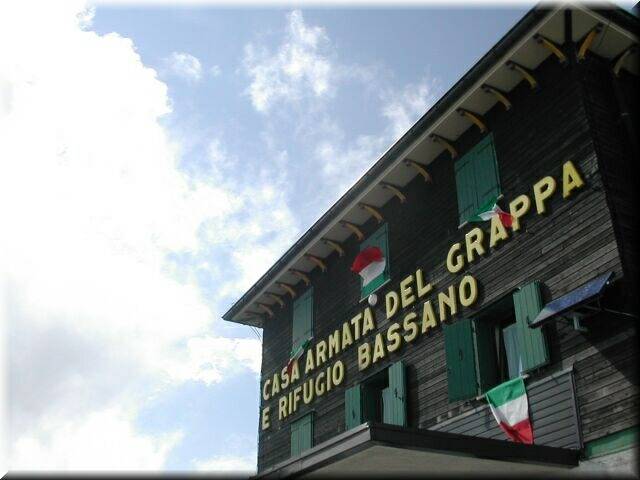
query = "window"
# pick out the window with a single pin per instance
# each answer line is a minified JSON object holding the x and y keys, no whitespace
{"x":302,"y":434}
{"x":495,"y":346}
{"x":302,"y":327}
{"x":380,"y":398}
{"x":477,"y":180}
{"x":379,"y":239}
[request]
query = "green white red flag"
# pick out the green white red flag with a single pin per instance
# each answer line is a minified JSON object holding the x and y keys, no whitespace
{"x":510,"y":407}
{"x":369,"y":264}
{"x":297,"y":353}
{"x":489,"y":210}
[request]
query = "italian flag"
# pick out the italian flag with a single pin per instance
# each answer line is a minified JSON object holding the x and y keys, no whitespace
{"x":297,"y":353}
{"x":489,"y":210}
{"x":369,"y":264}
{"x":509,"y":405}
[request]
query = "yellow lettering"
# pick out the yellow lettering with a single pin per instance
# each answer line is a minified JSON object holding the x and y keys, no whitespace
{"x":265,"y":418}
{"x":498,"y":232}
{"x":571,"y":179}
{"x":328,"y":377}
{"x":410,"y":324}
{"x":421,"y":288}
{"x":455,"y":262}
{"x":448,"y":300}
{"x":364,"y":356}
{"x":321,"y":352}
{"x":468,"y":291}
{"x":391,"y":301}
{"x":319,"y":385}
{"x":367,"y":323}
{"x":378,"y":348}
{"x":295,"y":372}
{"x":337,"y":374}
{"x":309,"y":364}
{"x":334,"y":343}
{"x":347,"y":339}
{"x":393,"y":337}
{"x":473,"y":240}
{"x":275,"y":384}
{"x":290,"y":403}
{"x":355,"y":321}
{"x":518,"y":208}
{"x":296,"y":396}
{"x":542,"y":190}
{"x":406,"y":292}
{"x":307,"y":391}
{"x":265,"y":389}
{"x":282,"y":407}
{"x":428,"y":317}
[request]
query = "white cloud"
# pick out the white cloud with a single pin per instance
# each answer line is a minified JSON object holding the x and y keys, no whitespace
{"x":403,"y":108}
{"x":297,"y":68}
{"x":103,"y":440}
{"x":93,"y":200}
{"x":228,"y":463}
{"x":185,"y":65}
{"x":215,"y":71}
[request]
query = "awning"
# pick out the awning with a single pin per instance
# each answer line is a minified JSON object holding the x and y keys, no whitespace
{"x":375,"y":449}
{"x":578,"y":303}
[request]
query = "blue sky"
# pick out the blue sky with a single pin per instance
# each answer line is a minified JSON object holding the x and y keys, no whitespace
{"x":180,"y":151}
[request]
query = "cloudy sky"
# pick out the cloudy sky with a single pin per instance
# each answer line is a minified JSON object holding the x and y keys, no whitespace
{"x":154,"y":162}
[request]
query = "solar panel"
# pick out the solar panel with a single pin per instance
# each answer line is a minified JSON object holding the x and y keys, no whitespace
{"x":572,"y":299}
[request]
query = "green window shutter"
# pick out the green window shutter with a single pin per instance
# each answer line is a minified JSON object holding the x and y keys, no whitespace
{"x":533,"y":348}
{"x":461,"y":368}
{"x":395,"y":400}
{"x":486,"y":170}
{"x":486,"y":366}
{"x":465,"y":186}
{"x":302,"y":327}
{"x":380,"y":239}
{"x":301,"y":435}
{"x":477,"y":179}
{"x":353,"y":407}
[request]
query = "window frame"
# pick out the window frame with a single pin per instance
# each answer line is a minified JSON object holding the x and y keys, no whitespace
{"x":307,"y":296}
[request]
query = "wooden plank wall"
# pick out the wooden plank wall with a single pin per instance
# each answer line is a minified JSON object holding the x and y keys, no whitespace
{"x":574,"y":242}
{"x":553,"y":415}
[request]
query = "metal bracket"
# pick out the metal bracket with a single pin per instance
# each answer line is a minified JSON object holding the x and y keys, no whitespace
{"x":318,"y":261}
{"x":499,"y":94}
{"x":354,"y":228}
{"x":552,"y":47}
{"x":420,"y":169}
{"x":446,"y":144}
{"x":372,"y":210}
{"x":395,"y":190}
{"x":474,"y":118}
{"x":335,"y":245}
{"x":526,"y":74}
{"x":588,"y":40}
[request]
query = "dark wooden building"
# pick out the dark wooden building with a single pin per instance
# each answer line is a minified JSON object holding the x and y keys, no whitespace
{"x":391,"y":377}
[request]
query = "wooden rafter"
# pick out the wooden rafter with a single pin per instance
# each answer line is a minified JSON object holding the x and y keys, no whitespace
{"x":474,"y":118}
{"x":446,"y":144}
{"x":617,"y":64}
{"x":301,"y":275}
{"x":526,"y":74}
{"x":335,"y":245}
{"x":395,"y":190}
{"x":277,"y":298}
{"x":354,"y":228}
{"x":266,"y":308}
{"x":499,"y":94}
{"x":588,"y":40}
{"x":551,"y":46}
{"x":372,"y":210}
{"x":317,"y":260}
{"x":287,"y":288}
{"x":420,"y":169}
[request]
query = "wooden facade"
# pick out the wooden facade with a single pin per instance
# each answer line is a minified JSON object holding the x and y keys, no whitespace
{"x":589,"y":387}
